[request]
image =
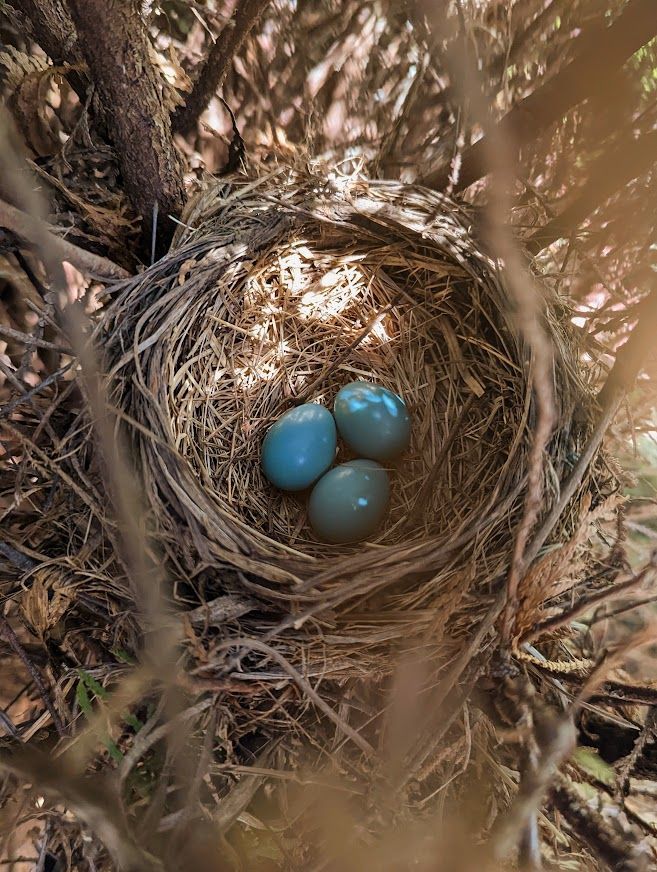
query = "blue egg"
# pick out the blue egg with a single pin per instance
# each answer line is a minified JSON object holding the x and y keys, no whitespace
{"x":349,"y":502}
{"x":299,"y":447}
{"x":372,"y":420}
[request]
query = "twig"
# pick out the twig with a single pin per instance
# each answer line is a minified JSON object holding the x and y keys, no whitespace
{"x":33,"y":230}
{"x":214,"y":70}
{"x":591,"y":829}
{"x":9,"y":726}
{"x":627,"y":694}
{"x":627,"y":766}
{"x":631,"y":157}
{"x":32,"y":341}
{"x":95,"y":800}
{"x":8,"y":408}
{"x":533,"y":787}
{"x":496,"y":150}
{"x":7,"y":631}
{"x":311,"y":693}
{"x":586,"y":604}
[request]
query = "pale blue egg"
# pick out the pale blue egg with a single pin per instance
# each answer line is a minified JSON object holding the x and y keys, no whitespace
{"x":372,"y":421}
{"x":349,"y":503}
{"x":299,"y":447}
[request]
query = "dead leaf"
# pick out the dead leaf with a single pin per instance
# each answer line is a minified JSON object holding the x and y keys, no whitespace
{"x":43,"y":604}
{"x":174,"y":78}
{"x":29,"y":80}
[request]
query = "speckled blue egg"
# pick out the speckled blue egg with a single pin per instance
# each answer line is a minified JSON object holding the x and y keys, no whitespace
{"x":299,"y":447}
{"x":349,"y":503}
{"x":372,"y":421}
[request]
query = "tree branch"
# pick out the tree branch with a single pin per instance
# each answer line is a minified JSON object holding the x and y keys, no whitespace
{"x":616,"y":852}
{"x":33,"y":230}
{"x":631,"y":355}
{"x":589,"y":73}
{"x":214,"y":70}
{"x":7,"y":631}
{"x":631,"y":157}
{"x":115,"y":45}
{"x":52,"y":29}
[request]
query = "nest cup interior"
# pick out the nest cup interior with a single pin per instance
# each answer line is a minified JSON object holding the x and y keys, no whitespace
{"x":276,"y":295}
{"x":313,"y":316}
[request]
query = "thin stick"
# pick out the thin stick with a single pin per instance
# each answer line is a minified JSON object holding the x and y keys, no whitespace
{"x":586,"y":604}
{"x":32,"y":341}
{"x":311,"y":693}
{"x":7,"y":631}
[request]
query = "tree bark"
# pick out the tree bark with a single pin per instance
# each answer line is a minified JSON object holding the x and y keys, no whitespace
{"x":53,"y":29}
{"x":589,"y":73}
{"x":114,"y":43}
{"x":214,"y":70}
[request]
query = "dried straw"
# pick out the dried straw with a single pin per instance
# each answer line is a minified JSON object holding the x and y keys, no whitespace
{"x":278,"y":291}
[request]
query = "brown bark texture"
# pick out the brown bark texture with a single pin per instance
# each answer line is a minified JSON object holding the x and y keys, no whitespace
{"x":53,"y":29}
{"x":214,"y":70}
{"x":589,"y":73}
{"x":50,"y":26}
{"x":114,"y":42}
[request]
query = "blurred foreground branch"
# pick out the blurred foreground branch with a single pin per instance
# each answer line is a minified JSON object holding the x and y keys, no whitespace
{"x":631,"y":157}
{"x":591,"y":72}
{"x":33,"y":230}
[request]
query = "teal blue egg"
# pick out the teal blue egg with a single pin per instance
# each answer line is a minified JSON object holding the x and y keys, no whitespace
{"x":372,"y":421}
{"x":349,"y":502}
{"x":299,"y":447}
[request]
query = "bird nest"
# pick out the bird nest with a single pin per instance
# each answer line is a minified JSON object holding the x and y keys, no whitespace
{"x":279,"y":291}
{"x":275,"y":296}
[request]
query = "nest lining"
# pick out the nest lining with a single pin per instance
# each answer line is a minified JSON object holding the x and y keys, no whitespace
{"x":280,"y":291}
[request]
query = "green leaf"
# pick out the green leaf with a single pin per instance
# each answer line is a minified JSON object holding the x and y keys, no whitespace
{"x":133,"y":721}
{"x":590,"y":761}
{"x":123,"y":656}
{"x":97,"y":689}
{"x":114,"y":750}
{"x":82,"y":698}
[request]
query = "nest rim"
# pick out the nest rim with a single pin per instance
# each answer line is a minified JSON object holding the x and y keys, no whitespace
{"x":280,"y":206}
